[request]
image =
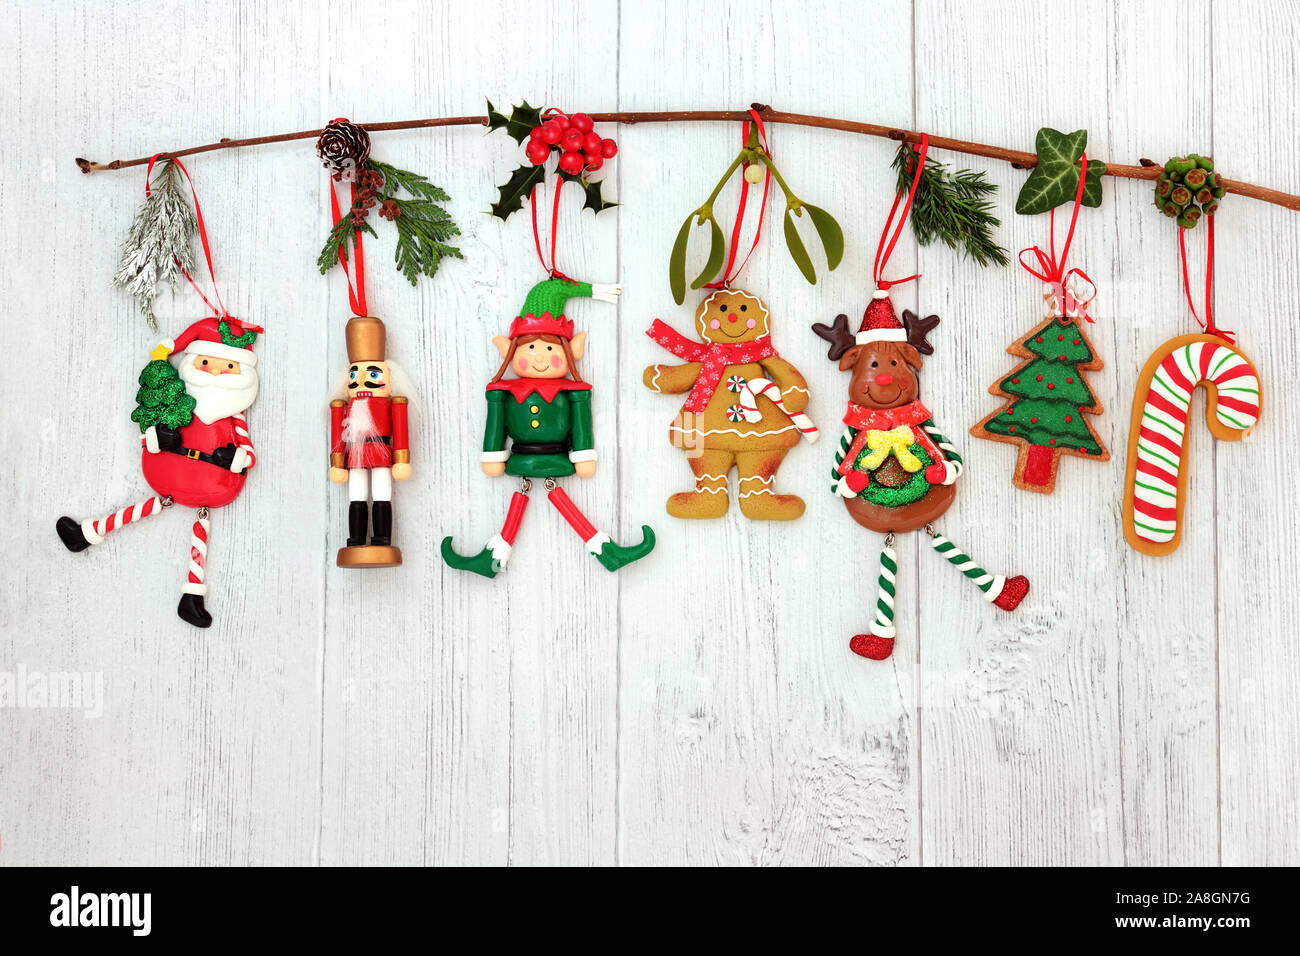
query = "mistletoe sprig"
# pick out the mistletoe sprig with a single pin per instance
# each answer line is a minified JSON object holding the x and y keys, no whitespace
{"x":1055,"y":180}
{"x":751,"y":158}
{"x":159,"y":244}
{"x":952,"y":207}
{"x":580,"y":148}
{"x":424,"y":228}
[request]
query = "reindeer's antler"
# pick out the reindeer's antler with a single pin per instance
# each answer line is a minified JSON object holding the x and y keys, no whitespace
{"x":917,"y":330}
{"x":837,"y":334}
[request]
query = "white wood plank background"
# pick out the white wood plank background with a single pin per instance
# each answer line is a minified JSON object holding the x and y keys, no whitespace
{"x":700,"y":707}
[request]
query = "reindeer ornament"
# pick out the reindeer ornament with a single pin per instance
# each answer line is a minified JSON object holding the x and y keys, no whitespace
{"x":894,"y":469}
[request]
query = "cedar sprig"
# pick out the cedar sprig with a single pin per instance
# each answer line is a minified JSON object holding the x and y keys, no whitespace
{"x":159,"y":244}
{"x":423,"y":226}
{"x":951,"y":207}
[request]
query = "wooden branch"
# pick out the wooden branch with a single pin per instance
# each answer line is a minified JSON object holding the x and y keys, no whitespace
{"x":1018,"y":159}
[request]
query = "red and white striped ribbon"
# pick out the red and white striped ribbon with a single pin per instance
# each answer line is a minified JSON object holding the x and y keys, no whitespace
{"x":755,"y":387}
{"x":198,"y":555}
{"x":95,"y":530}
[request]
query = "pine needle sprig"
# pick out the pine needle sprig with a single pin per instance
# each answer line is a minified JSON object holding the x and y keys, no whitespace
{"x":951,"y":207}
{"x":159,"y":244}
{"x":423,"y":226}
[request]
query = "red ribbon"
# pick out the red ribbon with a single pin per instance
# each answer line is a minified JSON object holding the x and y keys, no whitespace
{"x":1208,"y":324}
{"x":883,"y":252}
{"x":727,"y":275}
{"x":555,"y":236}
{"x":220,"y":308}
{"x":1053,"y":270}
{"x":357,"y":292}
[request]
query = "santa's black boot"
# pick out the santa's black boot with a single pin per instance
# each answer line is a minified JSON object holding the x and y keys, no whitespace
{"x":381,"y":519}
{"x":70,"y":534}
{"x":192,"y":611}
{"x":358,"y":521}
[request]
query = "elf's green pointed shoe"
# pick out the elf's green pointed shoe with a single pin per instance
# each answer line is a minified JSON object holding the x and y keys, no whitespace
{"x":614,"y":556}
{"x":484,"y":563}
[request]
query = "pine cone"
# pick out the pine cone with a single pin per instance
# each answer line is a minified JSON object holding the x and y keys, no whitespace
{"x":343,"y":148}
{"x":390,"y":210}
{"x":1188,"y":189}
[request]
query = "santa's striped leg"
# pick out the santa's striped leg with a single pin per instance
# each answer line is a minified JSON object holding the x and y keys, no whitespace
{"x":612,"y":556}
{"x":191,"y":608}
{"x":80,"y":535}
{"x":878,"y":642}
{"x":998,"y":589}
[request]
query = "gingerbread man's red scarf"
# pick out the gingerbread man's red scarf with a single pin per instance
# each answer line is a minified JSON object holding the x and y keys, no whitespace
{"x":714,"y":356}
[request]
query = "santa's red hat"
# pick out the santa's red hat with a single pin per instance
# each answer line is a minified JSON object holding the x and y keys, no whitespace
{"x":226,"y":338}
{"x":879,"y":323}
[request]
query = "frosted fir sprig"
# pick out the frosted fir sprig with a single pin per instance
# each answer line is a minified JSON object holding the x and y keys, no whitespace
{"x":160,"y":242}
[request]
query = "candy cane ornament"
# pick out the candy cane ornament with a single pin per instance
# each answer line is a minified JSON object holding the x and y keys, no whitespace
{"x":1156,"y":481}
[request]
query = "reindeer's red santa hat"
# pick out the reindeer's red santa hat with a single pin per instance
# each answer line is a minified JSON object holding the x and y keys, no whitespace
{"x":879,"y":323}
{"x":226,"y":338}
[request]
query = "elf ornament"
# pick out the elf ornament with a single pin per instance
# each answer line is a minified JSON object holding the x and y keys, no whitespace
{"x":744,"y":408}
{"x":894,"y":469}
{"x":539,"y":425}
{"x":369,"y":445}
{"x":196,"y":446}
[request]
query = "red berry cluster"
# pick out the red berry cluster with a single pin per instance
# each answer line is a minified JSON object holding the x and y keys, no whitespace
{"x":579,"y":145}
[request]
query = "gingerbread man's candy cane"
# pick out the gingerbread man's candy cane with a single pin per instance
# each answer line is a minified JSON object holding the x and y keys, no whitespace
{"x":1157,"y":468}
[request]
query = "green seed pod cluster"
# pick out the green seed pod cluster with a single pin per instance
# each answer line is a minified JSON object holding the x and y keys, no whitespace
{"x":1188,"y":189}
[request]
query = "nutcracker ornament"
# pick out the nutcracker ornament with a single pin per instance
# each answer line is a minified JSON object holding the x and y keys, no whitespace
{"x":196,"y":446}
{"x":369,"y":445}
{"x":544,"y":410}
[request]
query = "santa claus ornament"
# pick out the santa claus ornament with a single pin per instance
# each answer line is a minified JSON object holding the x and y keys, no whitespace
{"x":369,"y":437}
{"x":539,"y":425}
{"x":744,"y":407}
{"x":196,"y":447}
{"x":894,"y":469}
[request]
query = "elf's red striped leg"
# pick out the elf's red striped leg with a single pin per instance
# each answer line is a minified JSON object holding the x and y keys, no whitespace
{"x":492,"y":559}
{"x":79,"y":535}
{"x":609,"y":554}
{"x":191,"y":608}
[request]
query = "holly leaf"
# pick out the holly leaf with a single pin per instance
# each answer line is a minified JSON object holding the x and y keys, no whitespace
{"x":595,"y":201}
{"x":1055,"y":180}
{"x":518,"y":124}
{"x":516,"y":189}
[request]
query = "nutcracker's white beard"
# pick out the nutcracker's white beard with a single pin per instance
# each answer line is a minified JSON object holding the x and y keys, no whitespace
{"x":219,"y":396}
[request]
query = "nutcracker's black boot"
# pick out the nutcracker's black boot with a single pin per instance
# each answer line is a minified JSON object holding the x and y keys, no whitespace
{"x":381,"y":519}
{"x":358,"y":521}
{"x":192,"y":611}
{"x":69,"y":531}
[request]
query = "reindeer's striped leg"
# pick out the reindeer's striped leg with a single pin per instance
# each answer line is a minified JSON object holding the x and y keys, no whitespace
{"x":878,"y":642}
{"x":998,"y":589}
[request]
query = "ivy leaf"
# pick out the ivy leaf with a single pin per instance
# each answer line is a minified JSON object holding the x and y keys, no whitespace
{"x":518,"y":124}
{"x":595,"y":201}
{"x":1055,"y":180}
{"x":513,"y":193}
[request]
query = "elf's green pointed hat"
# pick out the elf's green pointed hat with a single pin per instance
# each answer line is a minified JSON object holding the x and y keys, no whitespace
{"x":543,"y":311}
